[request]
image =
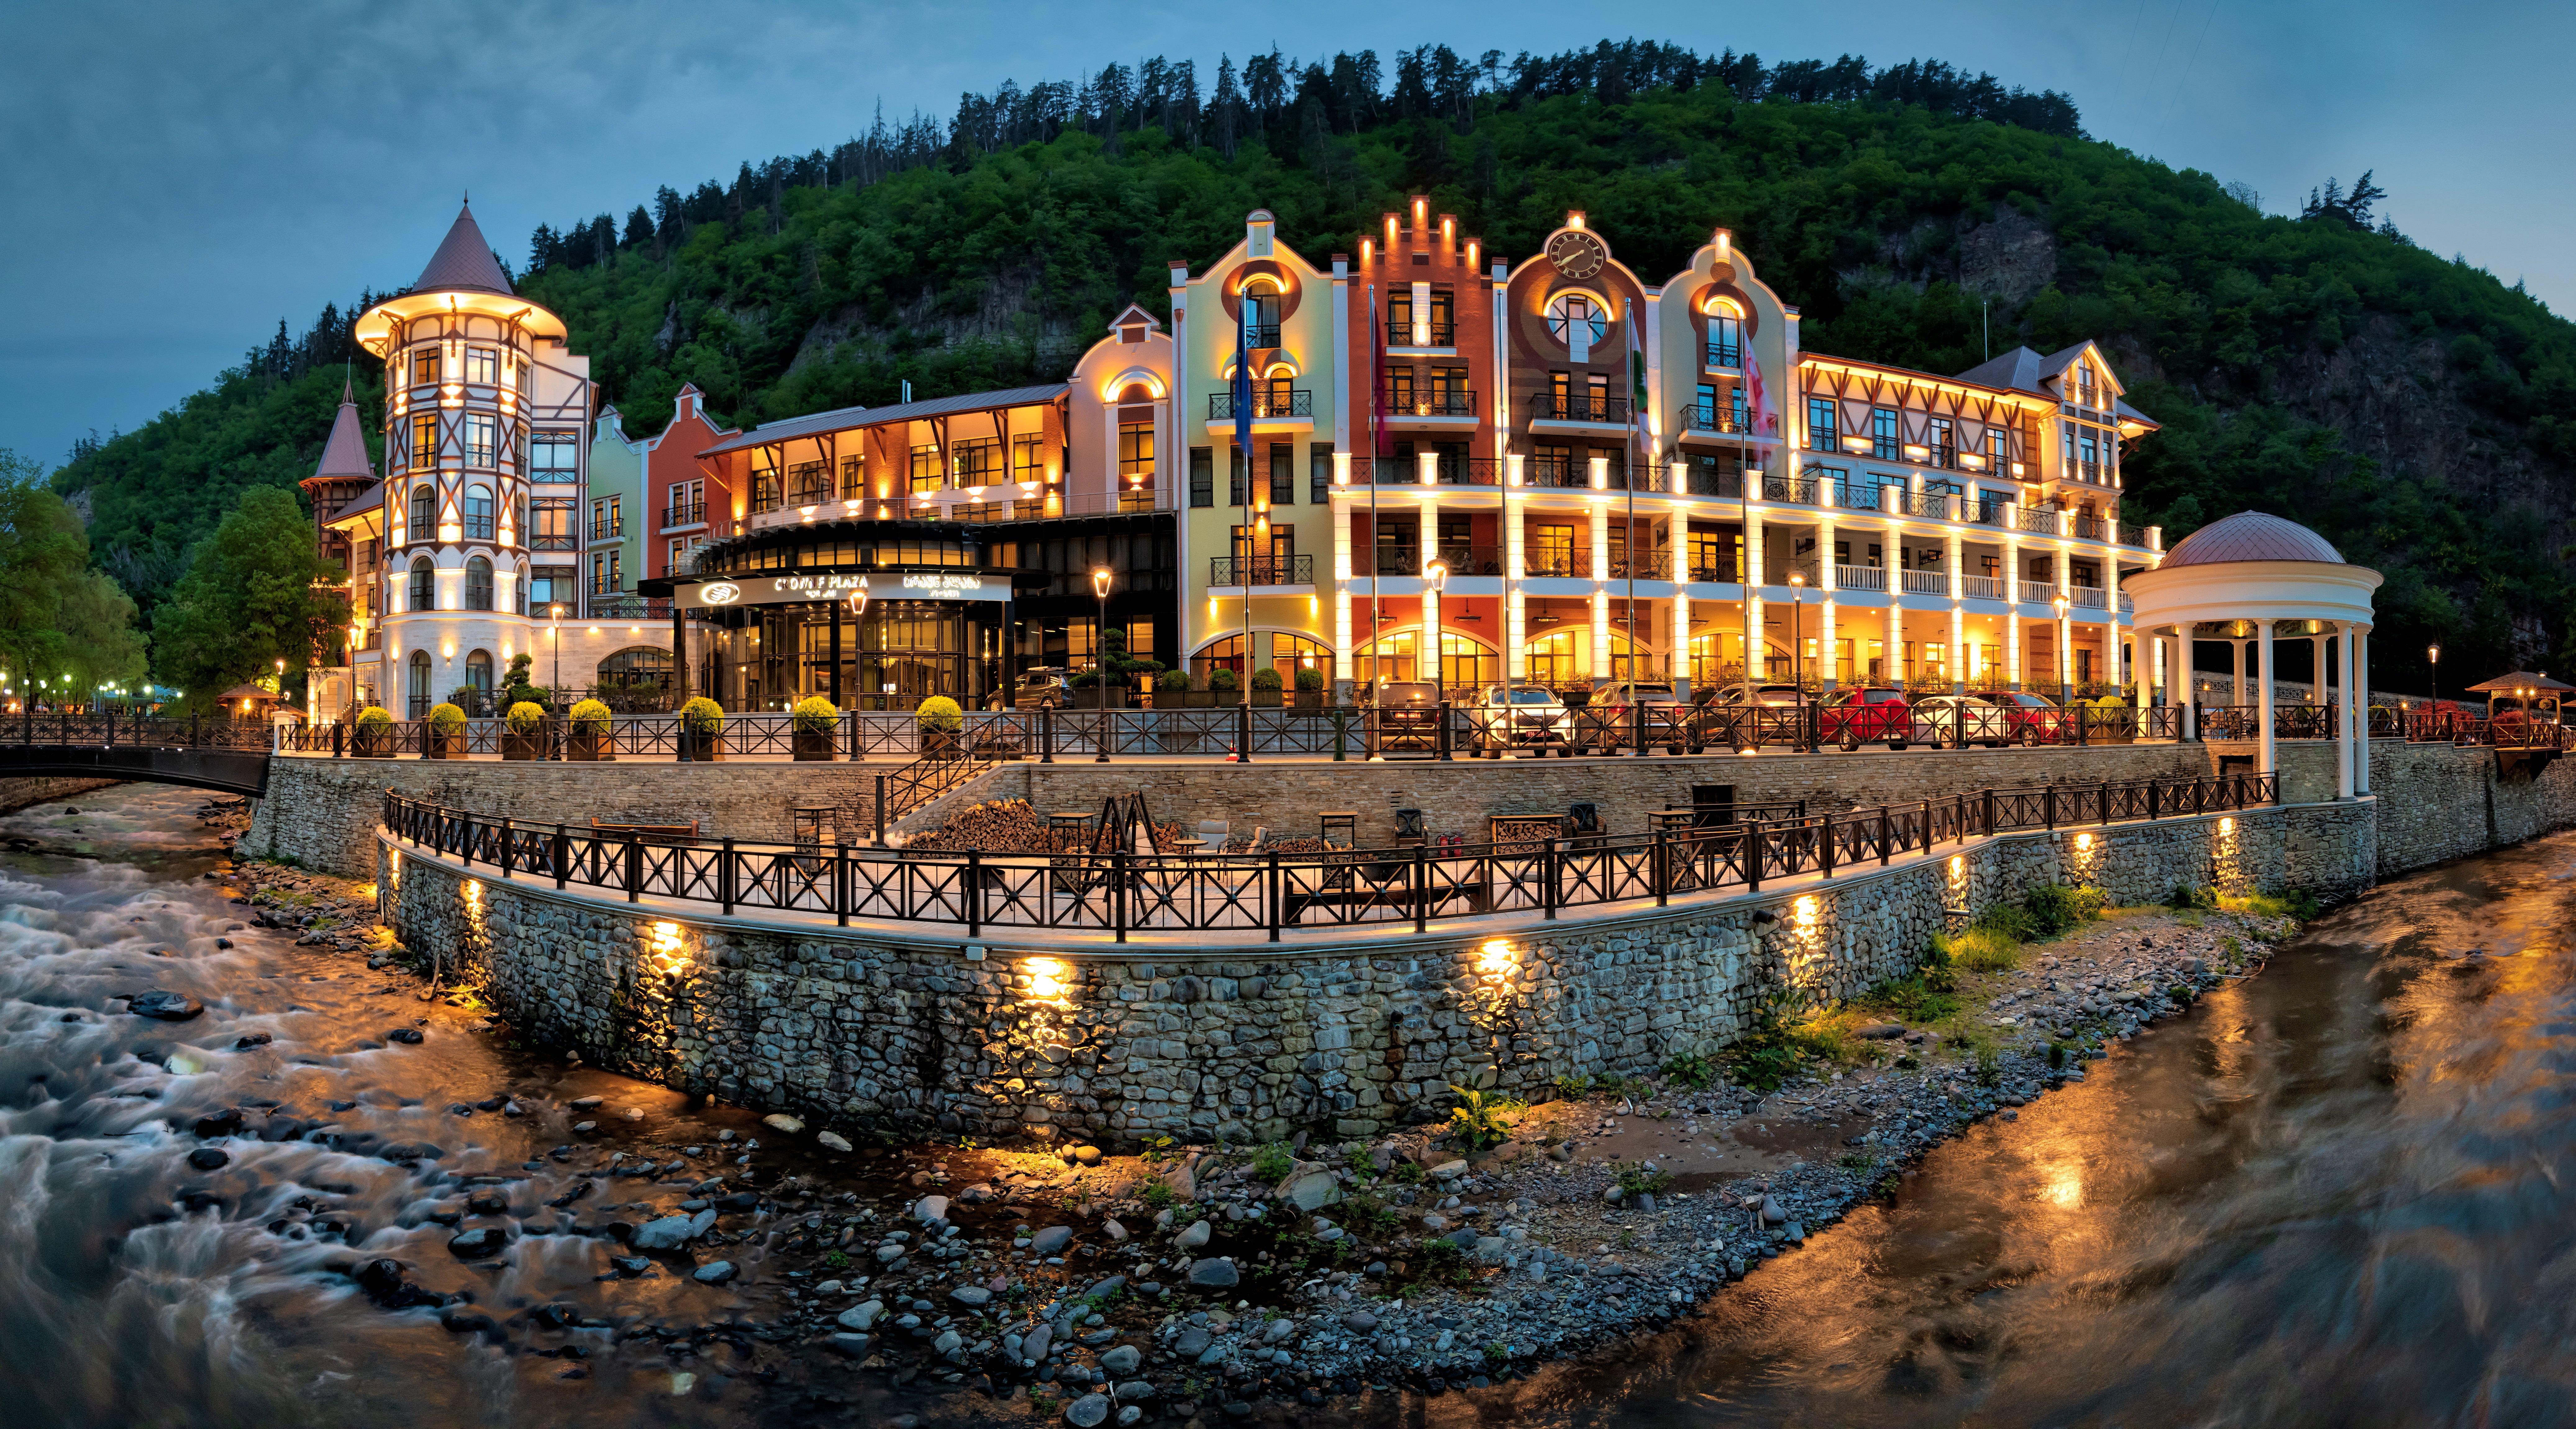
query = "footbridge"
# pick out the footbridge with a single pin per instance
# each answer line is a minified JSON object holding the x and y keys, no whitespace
{"x":227,"y":756}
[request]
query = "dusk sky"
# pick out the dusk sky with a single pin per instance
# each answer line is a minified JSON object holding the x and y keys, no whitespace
{"x":189,"y":173}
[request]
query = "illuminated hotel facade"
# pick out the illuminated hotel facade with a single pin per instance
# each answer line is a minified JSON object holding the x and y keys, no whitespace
{"x":1558,"y":471}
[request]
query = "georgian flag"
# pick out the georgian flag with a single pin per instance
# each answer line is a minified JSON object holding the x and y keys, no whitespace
{"x":1765,"y":421}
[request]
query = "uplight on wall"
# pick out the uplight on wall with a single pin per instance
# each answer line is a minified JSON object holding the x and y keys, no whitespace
{"x":1496,"y":958}
{"x":1047,"y":978}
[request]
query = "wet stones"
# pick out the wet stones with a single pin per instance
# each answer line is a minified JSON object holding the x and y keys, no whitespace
{"x":165,"y":1006}
{"x":382,"y":1282}
{"x":249,"y":1040}
{"x":1217,"y":1274}
{"x":1051,"y":1241}
{"x":227,"y":1122}
{"x":408,"y":1036}
{"x":714,"y":1272}
{"x":208,"y":1158}
{"x":478,"y":1243}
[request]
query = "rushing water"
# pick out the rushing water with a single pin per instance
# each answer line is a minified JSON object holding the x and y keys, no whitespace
{"x":2341,"y":1193}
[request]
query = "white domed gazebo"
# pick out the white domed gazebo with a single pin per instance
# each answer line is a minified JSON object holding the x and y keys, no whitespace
{"x":2252,"y":574}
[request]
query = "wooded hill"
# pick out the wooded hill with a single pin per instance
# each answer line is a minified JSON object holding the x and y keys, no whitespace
{"x":2416,"y":411}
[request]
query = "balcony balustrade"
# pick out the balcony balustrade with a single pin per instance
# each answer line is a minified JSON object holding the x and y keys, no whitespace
{"x":1261,"y":570}
{"x":1577,"y":407}
{"x":1298,"y":402}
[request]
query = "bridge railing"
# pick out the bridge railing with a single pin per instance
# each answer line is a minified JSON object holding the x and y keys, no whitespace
{"x":1268,"y":894}
{"x":113,"y":730}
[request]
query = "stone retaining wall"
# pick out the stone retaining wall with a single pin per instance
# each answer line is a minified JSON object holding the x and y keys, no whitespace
{"x":908,"y":1033}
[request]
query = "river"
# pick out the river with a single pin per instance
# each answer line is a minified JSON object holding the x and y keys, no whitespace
{"x":2334,"y":1194}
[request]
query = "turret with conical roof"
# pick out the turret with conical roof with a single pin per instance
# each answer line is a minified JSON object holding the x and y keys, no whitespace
{"x":344,"y":471}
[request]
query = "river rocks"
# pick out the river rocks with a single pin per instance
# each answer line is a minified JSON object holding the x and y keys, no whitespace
{"x":165,"y":1006}
{"x":1191,"y":1342}
{"x":1449,"y":1170}
{"x":1112,"y":1229}
{"x":930,"y":1208}
{"x":672,"y":1232}
{"x":974,"y":1297}
{"x":1880,"y":1031}
{"x":831,"y":1141}
{"x":1359,"y":1322}
{"x":714,"y":1272}
{"x":1772,"y":1211}
{"x":248,"y":1040}
{"x":1083,"y":1155}
{"x":478,"y":1243}
{"x":1040,"y":1340}
{"x":1196,"y":1236}
{"x":781,"y":1121}
{"x":1088,"y":1412}
{"x":1051,"y":1241}
{"x":227,"y":1122}
{"x":1313,"y":1191}
{"x":1121,"y":1359}
{"x":487,"y":1203}
{"x":852,"y":1346}
{"x":461,"y":1321}
{"x":861,"y":1317}
{"x":208,"y":1158}
{"x":382,"y":1282}
{"x":1217,"y":1274}
{"x":408,"y":1036}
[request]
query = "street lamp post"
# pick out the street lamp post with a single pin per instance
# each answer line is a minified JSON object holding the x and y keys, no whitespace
{"x":2065,"y":656}
{"x":858,"y":602}
{"x":555,"y":695}
{"x":1435,"y":578}
{"x":1100,"y":643}
{"x":1798,"y":655}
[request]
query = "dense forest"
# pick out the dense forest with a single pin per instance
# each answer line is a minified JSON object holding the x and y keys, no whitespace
{"x":2409,"y":406}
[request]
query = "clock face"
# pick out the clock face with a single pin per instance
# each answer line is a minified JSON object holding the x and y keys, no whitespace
{"x":1577,"y":254}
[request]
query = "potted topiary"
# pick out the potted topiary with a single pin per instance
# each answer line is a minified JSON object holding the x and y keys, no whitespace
{"x":937,"y":722}
{"x":443,"y":734}
{"x":1265,"y":687}
{"x":2110,"y":722}
{"x":1310,"y":687}
{"x":375,"y":734}
{"x":818,"y":724}
{"x":701,"y":731}
{"x":587,"y":740}
{"x":1222,"y":685}
{"x":524,"y":734}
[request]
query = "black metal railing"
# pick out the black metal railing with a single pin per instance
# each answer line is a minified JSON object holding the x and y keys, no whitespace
{"x":1430,"y":402}
{"x":112,"y":728}
{"x":1438,"y":332}
{"x":1577,"y":407}
{"x":690,"y":515}
{"x":1127,"y":893}
{"x":1725,"y":420}
{"x":1296,"y":403}
{"x":1261,"y":570}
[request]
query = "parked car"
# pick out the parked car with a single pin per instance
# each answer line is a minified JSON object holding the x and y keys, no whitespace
{"x":1965,"y":719}
{"x":1608,"y":719}
{"x":1517,"y":716}
{"x":1738,"y":716}
{"x":2029,"y":718}
{"x":1408,"y":714}
{"x":1045,"y":688}
{"x":1860,"y":714}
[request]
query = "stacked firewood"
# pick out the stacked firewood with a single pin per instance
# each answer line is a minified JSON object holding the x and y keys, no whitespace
{"x":1011,"y":826}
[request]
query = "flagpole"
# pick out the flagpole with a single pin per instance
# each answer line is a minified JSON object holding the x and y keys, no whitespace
{"x":1377,"y":430}
{"x":1243,"y":448}
{"x":1628,"y":540}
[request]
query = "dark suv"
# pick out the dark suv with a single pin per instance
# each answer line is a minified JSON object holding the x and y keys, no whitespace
{"x":1408,"y":715}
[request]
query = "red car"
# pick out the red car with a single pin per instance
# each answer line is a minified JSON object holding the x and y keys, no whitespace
{"x":2031,"y":718}
{"x":1854,"y":716}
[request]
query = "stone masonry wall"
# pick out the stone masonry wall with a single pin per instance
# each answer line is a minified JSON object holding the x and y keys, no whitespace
{"x":908,"y":1033}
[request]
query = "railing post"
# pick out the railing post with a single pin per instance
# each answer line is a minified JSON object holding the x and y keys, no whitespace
{"x":1341,"y":727}
{"x":974,"y":899}
{"x":1825,"y":851}
{"x":1421,"y":888}
{"x":1636,"y":722}
{"x":2153,"y":789}
{"x":881,"y":843}
{"x":1547,"y":878}
{"x":1663,"y":884}
{"x":1440,"y":740}
{"x":724,"y":876}
{"x":1046,"y":735}
{"x":841,"y":880}
{"x":1274,"y":895}
{"x":1927,"y":826}
{"x":1118,"y":891}
{"x":2048,"y":806}
{"x":506,"y":846}
{"x":1753,"y":856}
{"x":2104,"y":794}
{"x":634,"y":870}
{"x":562,"y":853}
{"x":1101,"y":739}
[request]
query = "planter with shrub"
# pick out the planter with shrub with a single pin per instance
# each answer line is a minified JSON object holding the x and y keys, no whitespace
{"x":937,"y":721}
{"x":1171,"y":689}
{"x":818,"y":724}
{"x":374,"y":736}
{"x":443,"y":733}
{"x":1265,"y":688}
{"x":1310,"y":687}
{"x":524,"y":736}
{"x":587,"y":740}
{"x":701,"y":731}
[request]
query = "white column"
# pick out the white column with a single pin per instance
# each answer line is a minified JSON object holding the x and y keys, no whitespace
{"x":2142,"y":668}
{"x":2013,"y":577}
{"x":2347,"y":740}
{"x":1955,"y":554}
{"x":2236,"y":649}
{"x":2263,"y":762}
{"x":1893,"y":672}
{"x":1516,"y":606}
{"x":2318,"y":644}
{"x":1678,"y":621}
{"x":2361,"y":688}
{"x":1345,"y":514}
{"x":1601,"y":633}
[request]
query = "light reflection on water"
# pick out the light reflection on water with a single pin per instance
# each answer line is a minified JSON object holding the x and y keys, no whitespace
{"x":2341,"y":1193}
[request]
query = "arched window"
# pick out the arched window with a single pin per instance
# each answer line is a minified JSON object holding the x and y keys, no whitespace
{"x":424,"y":513}
{"x":478,"y":678}
{"x":519,"y":520}
{"x":418,"y":689}
{"x":522,"y":584}
{"x":1578,"y":321}
{"x":478,"y":513}
{"x":637,"y":677}
{"x":1725,"y":334}
{"x":1261,"y":313}
{"x":424,"y":586}
{"x":1465,"y":662}
{"x":478,"y":584}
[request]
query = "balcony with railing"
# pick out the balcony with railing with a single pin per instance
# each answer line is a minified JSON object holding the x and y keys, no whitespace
{"x":1447,"y":469}
{"x":2089,"y":597}
{"x":1982,"y":587}
{"x":1566,"y":562}
{"x":1261,"y":570}
{"x":1724,"y":356}
{"x":1266,"y":405}
{"x":608,"y":530}
{"x":1465,"y":560}
{"x":1432,"y":332}
{"x":2040,"y":522}
{"x":1430,"y":402}
{"x":1720,"y":569}
{"x":1925,"y":582}
{"x":1715,"y":421}
{"x":1578,"y":407}
{"x":1860,"y":577}
{"x":674,"y":517}
{"x":1799,"y":490}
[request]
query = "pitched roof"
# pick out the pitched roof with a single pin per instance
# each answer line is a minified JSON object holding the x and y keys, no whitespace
{"x":2018,"y":370}
{"x":463,"y":262}
{"x":345,"y":453}
{"x":843,"y":418}
{"x":2251,"y":536}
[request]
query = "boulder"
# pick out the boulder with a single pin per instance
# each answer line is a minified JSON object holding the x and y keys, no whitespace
{"x":1088,"y":1412}
{"x":781,"y":1121}
{"x":165,"y":1006}
{"x":208,"y":1158}
{"x":1196,"y":1236}
{"x":1122,"y":1359}
{"x":478,"y":1242}
{"x":971,"y":1296}
{"x":861,"y":1317}
{"x":672,"y":1232}
{"x":1051,"y":1241}
{"x":930,"y":1208}
{"x":1217,"y":1274}
{"x":714,"y":1272}
{"x":1313,"y":1191}
{"x":831,"y":1141}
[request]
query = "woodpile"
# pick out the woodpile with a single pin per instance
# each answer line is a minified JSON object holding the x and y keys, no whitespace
{"x":1010,"y":826}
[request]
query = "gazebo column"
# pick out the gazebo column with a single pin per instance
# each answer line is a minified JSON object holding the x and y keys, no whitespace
{"x":2263,"y":760}
{"x":2320,"y":643}
{"x":2236,"y":649}
{"x":2360,"y":668}
{"x":2346,"y":724}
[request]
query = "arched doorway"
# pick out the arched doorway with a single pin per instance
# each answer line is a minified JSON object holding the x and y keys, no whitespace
{"x":478,"y":682}
{"x":416,"y":690}
{"x":635,"y":679}
{"x":1562,"y":659}
{"x":1465,"y":662}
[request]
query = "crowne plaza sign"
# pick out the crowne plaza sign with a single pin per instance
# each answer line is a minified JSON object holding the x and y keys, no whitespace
{"x":882,"y":585}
